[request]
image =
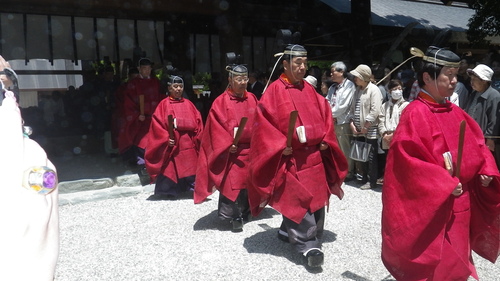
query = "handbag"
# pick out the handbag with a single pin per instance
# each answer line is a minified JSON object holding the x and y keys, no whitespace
{"x":360,"y":151}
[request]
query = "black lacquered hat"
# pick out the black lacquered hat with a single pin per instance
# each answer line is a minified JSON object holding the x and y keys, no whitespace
{"x":145,"y":61}
{"x":175,"y":80}
{"x":438,"y":56}
{"x":239,"y":70}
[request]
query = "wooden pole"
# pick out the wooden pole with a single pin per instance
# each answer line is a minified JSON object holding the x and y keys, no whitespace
{"x":460,"y":147}
{"x":171,"y":127}
{"x":291,"y":127}
{"x":239,"y":132}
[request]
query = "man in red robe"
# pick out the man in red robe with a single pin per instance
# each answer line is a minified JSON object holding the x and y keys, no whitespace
{"x":171,"y":159}
{"x":118,"y":117}
{"x":221,"y":164}
{"x":432,"y":219}
{"x":142,"y":96}
{"x":295,"y":180}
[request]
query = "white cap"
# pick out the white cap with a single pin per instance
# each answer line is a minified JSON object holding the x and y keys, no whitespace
{"x":482,"y":71}
{"x":312,"y":80}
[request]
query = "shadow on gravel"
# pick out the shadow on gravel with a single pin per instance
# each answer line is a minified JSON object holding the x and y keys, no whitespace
{"x":187,"y":195}
{"x":267,"y":242}
{"x":212,"y":220}
{"x":353,"y":276}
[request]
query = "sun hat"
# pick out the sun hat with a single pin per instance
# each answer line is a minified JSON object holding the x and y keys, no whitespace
{"x":363,"y":72}
{"x":482,"y":71}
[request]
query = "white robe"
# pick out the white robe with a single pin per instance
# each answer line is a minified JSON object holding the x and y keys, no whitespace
{"x":29,"y":234}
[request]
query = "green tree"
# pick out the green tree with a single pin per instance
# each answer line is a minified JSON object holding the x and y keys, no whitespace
{"x":486,"y":21}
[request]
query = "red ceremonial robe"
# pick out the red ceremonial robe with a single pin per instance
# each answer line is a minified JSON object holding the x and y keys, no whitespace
{"x":227,"y":172}
{"x":178,"y":161}
{"x":135,"y":130}
{"x":428,"y":233}
{"x":302,"y":181}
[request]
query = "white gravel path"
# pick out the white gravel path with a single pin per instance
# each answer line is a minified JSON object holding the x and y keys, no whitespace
{"x":132,"y":238}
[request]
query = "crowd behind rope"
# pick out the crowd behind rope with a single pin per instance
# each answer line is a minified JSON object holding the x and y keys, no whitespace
{"x":476,"y":92}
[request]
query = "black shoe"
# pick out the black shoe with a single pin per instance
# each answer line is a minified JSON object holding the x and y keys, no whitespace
{"x":283,"y":236}
{"x":246,"y":217}
{"x":237,"y":224}
{"x":349,"y":178}
{"x":160,"y":197}
{"x":315,"y":258}
{"x":143,"y":171}
{"x":361,"y":182}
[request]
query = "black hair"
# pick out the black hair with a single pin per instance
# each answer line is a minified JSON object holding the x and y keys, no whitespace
{"x":394,"y":83}
{"x":433,"y":69}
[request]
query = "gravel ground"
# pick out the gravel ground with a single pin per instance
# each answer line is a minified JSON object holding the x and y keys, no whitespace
{"x":133,"y":238}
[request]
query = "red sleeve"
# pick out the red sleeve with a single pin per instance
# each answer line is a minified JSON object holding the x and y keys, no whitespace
{"x":157,"y":149}
{"x":214,"y":152}
{"x":268,"y":142}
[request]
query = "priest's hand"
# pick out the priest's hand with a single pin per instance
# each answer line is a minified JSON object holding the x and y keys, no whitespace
{"x":323,"y":146}
{"x":233,"y":148}
{"x":171,"y":142}
{"x":287,"y":151}
{"x":142,"y":117}
{"x":458,"y":190}
{"x":485,"y":180}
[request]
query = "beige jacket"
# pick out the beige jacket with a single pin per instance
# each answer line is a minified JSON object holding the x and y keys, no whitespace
{"x":371,"y":101}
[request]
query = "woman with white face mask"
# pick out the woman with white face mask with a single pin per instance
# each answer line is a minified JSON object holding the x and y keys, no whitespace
{"x":389,"y":117}
{"x":390,"y":112}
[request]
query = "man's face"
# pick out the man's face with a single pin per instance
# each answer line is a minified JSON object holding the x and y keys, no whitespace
{"x":337,"y":76}
{"x":444,"y":84}
{"x":175,"y":90}
{"x":296,"y":69}
{"x":145,"y":70}
{"x":238,"y":84}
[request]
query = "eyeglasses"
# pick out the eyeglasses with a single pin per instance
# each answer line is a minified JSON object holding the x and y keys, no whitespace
{"x":241,"y":79}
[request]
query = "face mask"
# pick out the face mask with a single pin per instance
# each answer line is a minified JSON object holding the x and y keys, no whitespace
{"x":397,"y":94}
